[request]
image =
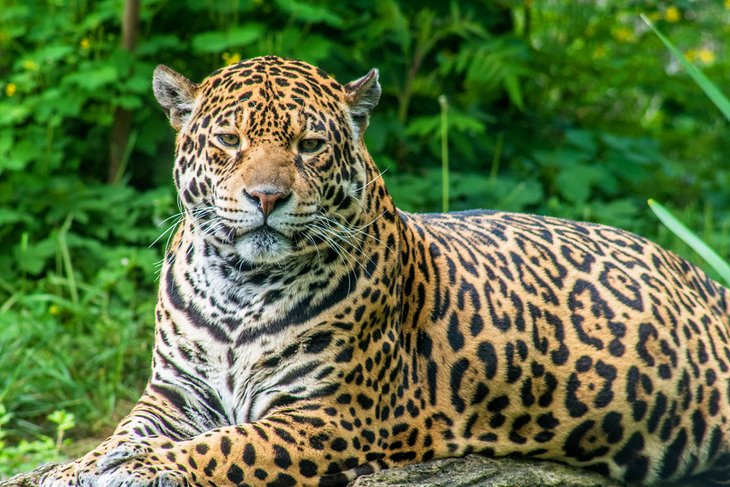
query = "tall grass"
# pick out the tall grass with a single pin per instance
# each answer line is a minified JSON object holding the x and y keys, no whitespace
{"x":444,"y":104}
{"x":720,"y":265}
{"x":690,"y":238}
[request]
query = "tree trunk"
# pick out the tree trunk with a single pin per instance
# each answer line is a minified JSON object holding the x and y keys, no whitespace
{"x":122,"y":125}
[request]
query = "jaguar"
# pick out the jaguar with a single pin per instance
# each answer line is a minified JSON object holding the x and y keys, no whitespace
{"x":308,"y":332}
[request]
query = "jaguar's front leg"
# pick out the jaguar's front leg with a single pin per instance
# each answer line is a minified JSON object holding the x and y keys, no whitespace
{"x":154,"y":418}
{"x":84,"y":471}
{"x":294,"y":448}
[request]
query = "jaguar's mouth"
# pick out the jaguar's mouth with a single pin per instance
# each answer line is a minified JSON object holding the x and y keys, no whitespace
{"x":254,"y":241}
{"x":263,"y":245}
{"x":263,"y":236}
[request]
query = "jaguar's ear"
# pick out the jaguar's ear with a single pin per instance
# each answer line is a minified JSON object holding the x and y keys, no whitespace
{"x":175,"y":93}
{"x":362,"y":96}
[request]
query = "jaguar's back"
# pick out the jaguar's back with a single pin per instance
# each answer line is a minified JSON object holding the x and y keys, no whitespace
{"x":568,"y":341}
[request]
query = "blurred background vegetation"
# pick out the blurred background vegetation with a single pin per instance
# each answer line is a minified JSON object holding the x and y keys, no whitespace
{"x":571,"y":108}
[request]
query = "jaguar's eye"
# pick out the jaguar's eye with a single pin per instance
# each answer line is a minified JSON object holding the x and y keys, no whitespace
{"x":229,"y":140}
{"x":309,"y":146}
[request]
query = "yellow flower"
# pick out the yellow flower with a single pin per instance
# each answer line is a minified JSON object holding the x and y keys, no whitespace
{"x":727,"y":4}
{"x":85,"y":43}
{"x":232,"y":58}
{"x":10,"y":89}
{"x":672,"y":14}
{"x":53,"y":309}
{"x":30,"y":65}
{"x":702,"y":55}
{"x":706,"y":56}
{"x":624,"y":34}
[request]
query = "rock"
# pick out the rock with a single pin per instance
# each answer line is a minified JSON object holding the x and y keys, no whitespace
{"x":478,"y":471}
{"x":470,"y":471}
{"x":28,"y":479}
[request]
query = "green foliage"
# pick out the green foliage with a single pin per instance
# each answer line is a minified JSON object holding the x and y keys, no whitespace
{"x":77,"y":301}
{"x":712,"y":92}
{"x":721,"y":266}
{"x":27,"y":454}
{"x":571,"y":109}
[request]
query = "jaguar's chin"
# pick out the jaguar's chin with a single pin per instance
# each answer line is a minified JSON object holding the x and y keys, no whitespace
{"x":263,"y":245}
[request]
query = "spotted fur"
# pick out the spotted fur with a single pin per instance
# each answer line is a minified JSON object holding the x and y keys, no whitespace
{"x":308,"y":332}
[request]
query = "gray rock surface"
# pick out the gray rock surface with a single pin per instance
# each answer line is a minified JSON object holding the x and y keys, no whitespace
{"x":478,"y":471}
{"x":29,"y":479}
{"x":470,"y":471}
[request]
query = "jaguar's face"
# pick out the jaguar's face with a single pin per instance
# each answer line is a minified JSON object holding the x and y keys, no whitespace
{"x":269,"y":155}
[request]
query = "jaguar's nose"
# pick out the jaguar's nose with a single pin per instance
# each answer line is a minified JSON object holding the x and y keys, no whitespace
{"x":267,"y":200}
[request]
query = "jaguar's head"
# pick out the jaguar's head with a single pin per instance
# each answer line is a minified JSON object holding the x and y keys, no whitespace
{"x":270,"y":161}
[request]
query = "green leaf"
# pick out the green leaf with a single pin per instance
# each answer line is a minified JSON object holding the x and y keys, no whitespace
{"x":617,"y":142}
{"x":216,"y":41}
{"x":159,"y":43}
{"x":582,"y":139}
{"x":431,"y":125}
{"x":720,"y":101}
{"x":48,"y":54}
{"x":6,"y":142}
{"x":519,"y":194}
{"x":10,"y":216}
{"x":691,"y":239}
{"x":32,"y":258}
{"x":60,"y":102}
{"x":563,"y":157}
{"x":128,"y":102}
{"x":94,"y":77}
{"x":620,"y":213}
{"x":12,"y":113}
{"x":63,"y":419}
{"x":312,"y":48}
{"x":311,"y":13}
{"x":575,"y":182}
{"x":512,"y":85}
{"x":21,"y":155}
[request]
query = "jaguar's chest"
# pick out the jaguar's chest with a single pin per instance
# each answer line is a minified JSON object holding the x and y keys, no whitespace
{"x":243,"y":379}
{"x":235,"y":341}
{"x":250,"y":378}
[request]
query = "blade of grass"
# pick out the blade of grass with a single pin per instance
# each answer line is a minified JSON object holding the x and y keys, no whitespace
{"x":691,"y":239}
{"x":720,"y":101}
{"x":66,"y":256}
{"x":444,"y":153}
